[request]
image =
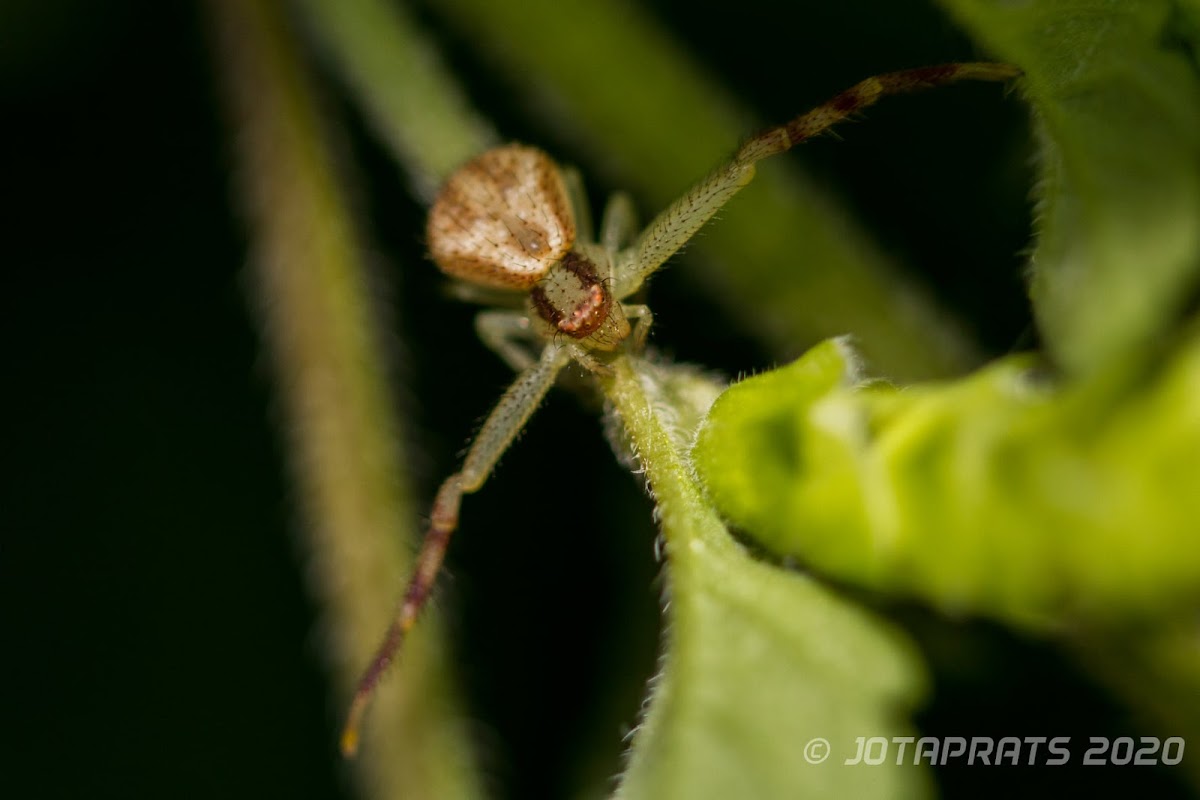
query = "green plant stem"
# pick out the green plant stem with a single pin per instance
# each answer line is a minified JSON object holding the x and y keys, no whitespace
{"x":757,"y":658}
{"x":412,"y":101}
{"x":687,"y":520}
{"x":309,"y":276}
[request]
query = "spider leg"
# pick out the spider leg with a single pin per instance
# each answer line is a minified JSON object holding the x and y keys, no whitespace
{"x":507,"y":419}
{"x":509,"y":335}
{"x":587,"y":360}
{"x":619,"y":224}
{"x":863,"y":94}
{"x":641,"y":327}
{"x":680,"y":221}
{"x":580,"y":209}
{"x":485,"y":295}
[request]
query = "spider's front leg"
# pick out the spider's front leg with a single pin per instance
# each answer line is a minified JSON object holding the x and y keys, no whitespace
{"x":671,"y":229}
{"x":507,"y":419}
{"x":509,"y":335}
{"x":643,"y":319}
{"x":619,"y":224}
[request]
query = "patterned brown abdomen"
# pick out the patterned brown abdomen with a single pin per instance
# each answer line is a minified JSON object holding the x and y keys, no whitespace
{"x":502,"y":220}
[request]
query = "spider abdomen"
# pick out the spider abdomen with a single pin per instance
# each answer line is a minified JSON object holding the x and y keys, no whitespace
{"x":502,"y":220}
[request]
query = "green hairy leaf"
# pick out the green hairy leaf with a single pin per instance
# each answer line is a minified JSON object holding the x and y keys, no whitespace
{"x":997,"y":495}
{"x":759,"y":661}
{"x":1115,"y":90}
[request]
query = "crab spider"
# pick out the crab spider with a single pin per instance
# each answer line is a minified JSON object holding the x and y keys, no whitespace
{"x":514,"y":229}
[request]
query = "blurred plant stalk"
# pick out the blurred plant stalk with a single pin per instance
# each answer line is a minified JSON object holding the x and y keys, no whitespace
{"x":320,"y":326}
{"x":409,"y":97}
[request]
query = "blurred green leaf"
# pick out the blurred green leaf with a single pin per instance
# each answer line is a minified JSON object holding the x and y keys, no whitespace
{"x":759,"y":660}
{"x":995,"y":494}
{"x":1115,"y":87}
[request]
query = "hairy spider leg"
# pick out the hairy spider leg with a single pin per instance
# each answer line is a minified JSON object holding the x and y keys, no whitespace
{"x":671,"y":229}
{"x":619,"y":223}
{"x":509,"y":335}
{"x":643,"y":318}
{"x":502,"y":426}
{"x":581,"y":210}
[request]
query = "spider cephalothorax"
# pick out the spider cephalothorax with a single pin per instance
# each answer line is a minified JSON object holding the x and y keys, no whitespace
{"x":575,"y":300}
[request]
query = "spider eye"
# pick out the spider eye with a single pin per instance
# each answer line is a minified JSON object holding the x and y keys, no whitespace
{"x":502,"y":220}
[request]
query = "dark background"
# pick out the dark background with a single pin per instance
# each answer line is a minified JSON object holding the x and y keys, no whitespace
{"x":158,"y":632}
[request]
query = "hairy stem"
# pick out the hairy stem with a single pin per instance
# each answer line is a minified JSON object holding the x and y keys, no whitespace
{"x":309,"y":276}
